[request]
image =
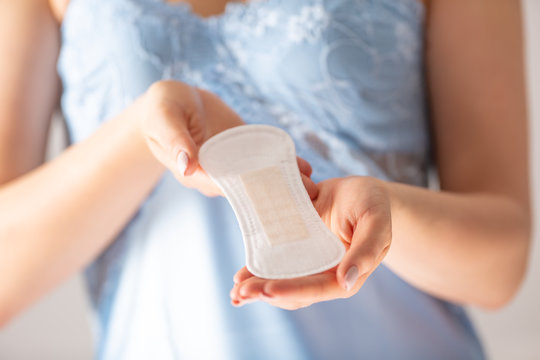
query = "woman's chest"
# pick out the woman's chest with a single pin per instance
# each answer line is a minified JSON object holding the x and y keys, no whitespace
{"x":305,"y":43}
{"x":329,"y":59}
{"x":348,"y":70}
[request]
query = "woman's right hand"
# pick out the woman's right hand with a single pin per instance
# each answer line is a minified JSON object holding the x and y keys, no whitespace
{"x":176,"y":119}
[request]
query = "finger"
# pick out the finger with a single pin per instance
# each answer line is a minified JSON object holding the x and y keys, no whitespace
{"x":173,"y":118}
{"x":309,"y":289}
{"x":313,"y":288}
{"x":185,"y":151}
{"x":287,"y":304}
{"x":171,"y":135}
{"x":370,"y":243}
{"x":292,"y":294}
{"x":242,"y":275}
{"x":239,"y":303}
{"x":304,"y":166}
{"x":312,"y":189}
{"x":202,"y":182}
{"x":250,"y":288}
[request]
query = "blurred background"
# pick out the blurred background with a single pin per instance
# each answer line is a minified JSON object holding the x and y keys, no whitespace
{"x":58,"y":327}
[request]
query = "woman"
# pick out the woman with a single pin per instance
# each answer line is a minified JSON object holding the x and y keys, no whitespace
{"x":346,"y":80}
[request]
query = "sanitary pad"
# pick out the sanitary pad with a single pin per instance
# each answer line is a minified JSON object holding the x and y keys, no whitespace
{"x":255,"y":167}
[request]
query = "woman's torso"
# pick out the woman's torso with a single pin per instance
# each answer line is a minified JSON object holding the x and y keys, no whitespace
{"x":345,"y":79}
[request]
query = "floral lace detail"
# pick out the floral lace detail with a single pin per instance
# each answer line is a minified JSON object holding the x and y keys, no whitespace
{"x":309,"y":25}
{"x":264,"y":20}
{"x":343,"y":77}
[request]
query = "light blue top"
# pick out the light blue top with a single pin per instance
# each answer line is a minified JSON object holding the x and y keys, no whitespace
{"x":345,"y":79}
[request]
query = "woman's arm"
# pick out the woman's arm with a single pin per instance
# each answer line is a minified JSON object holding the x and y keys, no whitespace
{"x":468,"y":243}
{"x":29,"y":86}
{"x":55,"y":218}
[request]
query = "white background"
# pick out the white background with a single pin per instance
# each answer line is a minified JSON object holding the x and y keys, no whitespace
{"x":58,"y":328}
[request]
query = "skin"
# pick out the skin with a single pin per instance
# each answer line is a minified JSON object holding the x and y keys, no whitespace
{"x":467,"y":243}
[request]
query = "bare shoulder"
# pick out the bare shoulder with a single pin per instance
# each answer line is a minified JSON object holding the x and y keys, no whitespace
{"x":58,"y":8}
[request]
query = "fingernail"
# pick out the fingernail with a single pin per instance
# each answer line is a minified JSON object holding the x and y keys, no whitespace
{"x":236,"y":303}
{"x":351,"y":277}
{"x":182,"y":161}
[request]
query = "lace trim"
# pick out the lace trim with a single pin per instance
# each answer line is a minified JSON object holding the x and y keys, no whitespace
{"x":241,"y":9}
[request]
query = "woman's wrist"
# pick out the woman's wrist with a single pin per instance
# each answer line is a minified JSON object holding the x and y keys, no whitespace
{"x":133,"y":117}
{"x":218,"y":116}
{"x":393,"y":192}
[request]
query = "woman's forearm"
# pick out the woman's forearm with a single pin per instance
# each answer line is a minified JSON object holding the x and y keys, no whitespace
{"x":469,"y":248}
{"x":58,"y":217}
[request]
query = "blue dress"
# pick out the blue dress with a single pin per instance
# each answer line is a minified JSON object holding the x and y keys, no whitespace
{"x":345,"y":79}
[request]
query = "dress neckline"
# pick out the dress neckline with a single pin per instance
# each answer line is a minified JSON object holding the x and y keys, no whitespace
{"x":231,"y":7}
{"x":236,"y":7}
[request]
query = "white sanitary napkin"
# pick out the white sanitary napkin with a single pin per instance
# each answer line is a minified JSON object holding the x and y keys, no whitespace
{"x":284,"y":237}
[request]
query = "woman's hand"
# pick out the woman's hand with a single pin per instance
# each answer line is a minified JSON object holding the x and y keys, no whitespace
{"x":357,"y":210}
{"x":176,"y":120}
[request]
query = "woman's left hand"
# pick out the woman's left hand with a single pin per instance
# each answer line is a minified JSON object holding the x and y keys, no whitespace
{"x":357,"y":210}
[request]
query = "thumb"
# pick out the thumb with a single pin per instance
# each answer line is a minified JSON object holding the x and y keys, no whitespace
{"x":174,"y":125}
{"x":370,"y":242}
{"x":185,"y":152}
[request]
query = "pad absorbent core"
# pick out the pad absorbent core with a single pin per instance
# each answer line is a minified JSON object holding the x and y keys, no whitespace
{"x":255,"y":166}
